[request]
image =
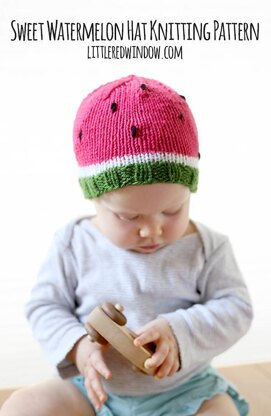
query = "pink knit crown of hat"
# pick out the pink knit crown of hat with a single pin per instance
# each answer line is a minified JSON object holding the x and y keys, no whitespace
{"x":135,"y":131}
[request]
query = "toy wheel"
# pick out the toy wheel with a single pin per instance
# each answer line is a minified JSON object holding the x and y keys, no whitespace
{"x":94,"y":335}
{"x":113,"y":313}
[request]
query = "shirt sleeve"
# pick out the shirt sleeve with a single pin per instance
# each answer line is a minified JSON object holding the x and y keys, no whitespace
{"x":51,"y":309}
{"x":224,"y":314}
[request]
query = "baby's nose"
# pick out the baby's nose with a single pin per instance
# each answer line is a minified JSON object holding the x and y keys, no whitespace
{"x":150,"y":230}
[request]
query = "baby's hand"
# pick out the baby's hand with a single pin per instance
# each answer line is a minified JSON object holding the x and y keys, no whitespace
{"x":90,"y":362}
{"x":166,"y":355}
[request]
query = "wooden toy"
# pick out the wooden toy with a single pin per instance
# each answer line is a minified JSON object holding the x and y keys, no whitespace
{"x":106,"y":324}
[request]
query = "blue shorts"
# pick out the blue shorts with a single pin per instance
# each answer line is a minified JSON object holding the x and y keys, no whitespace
{"x":184,"y":400}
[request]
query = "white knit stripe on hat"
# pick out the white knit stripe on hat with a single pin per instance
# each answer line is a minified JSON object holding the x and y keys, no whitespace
{"x":92,"y":170}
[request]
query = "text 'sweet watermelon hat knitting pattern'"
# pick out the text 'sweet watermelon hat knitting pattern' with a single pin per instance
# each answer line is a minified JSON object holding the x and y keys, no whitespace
{"x":135,"y":131}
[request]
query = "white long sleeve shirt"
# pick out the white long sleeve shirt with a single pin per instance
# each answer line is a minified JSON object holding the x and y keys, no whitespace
{"x":194,"y":283}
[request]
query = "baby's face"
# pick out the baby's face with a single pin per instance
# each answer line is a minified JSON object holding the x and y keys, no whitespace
{"x":144,"y":218}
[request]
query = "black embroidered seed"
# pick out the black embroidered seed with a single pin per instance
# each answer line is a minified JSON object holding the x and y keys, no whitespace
{"x":181,"y":117}
{"x":183,"y":97}
{"x":199,"y":155}
{"x":114,"y":107}
{"x":80,"y":135}
{"x":143,"y":86}
{"x":133,"y":130}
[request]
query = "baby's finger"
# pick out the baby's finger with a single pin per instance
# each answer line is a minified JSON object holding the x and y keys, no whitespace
{"x":147,"y":337}
{"x":97,"y":361}
{"x":102,"y":369}
{"x":175,"y":368}
{"x":92,"y":394}
{"x":165,"y":368}
{"x":159,"y":356}
{"x":99,"y":390}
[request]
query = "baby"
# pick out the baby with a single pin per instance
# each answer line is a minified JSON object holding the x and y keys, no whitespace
{"x":136,"y":143}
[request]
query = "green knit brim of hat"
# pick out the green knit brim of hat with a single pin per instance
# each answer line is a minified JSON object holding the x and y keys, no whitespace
{"x":139,"y":174}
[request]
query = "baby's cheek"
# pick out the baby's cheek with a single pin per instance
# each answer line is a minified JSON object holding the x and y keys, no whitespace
{"x":123,"y":236}
{"x":175,"y":229}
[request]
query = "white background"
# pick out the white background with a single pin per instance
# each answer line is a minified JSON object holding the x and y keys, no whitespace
{"x":227,"y":85}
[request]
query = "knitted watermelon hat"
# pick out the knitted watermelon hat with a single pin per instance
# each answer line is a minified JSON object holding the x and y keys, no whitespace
{"x":135,"y":131}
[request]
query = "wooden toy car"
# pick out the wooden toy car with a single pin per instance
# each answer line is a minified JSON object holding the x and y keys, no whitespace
{"x":106,"y":324}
